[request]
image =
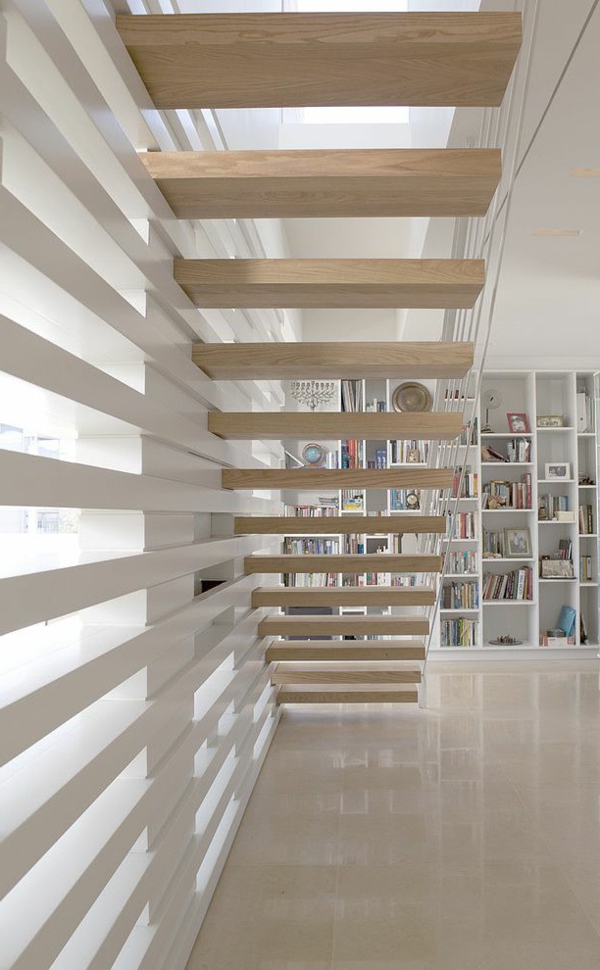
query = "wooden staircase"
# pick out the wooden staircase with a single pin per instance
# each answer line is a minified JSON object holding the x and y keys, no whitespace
{"x":288,"y":184}
{"x":286,"y":60}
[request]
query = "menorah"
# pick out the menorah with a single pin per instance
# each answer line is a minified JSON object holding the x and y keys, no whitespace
{"x":313,"y":393}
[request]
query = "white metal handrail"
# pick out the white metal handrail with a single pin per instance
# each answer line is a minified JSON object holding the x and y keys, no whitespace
{"x":479,"y":239}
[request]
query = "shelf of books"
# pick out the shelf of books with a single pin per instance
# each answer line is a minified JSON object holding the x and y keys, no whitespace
{"x":528,"y":580}
{"x":367,"y":396}
{"x":522,"y":548}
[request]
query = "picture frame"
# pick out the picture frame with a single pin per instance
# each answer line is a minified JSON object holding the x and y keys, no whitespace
{"x":556,"y":568}
{"x":558,"y":470}
{"x":518,"y":422}
{"x":550,"y":421}
{"x":517,"y":543}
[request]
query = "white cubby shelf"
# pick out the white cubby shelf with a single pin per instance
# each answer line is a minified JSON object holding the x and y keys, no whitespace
{"x":537,"y":393}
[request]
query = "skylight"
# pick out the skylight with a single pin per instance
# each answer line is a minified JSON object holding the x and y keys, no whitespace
{"x":360,"y":115}
{"x":355,"y":116}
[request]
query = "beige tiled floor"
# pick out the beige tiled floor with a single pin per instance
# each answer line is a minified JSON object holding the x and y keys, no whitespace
{"x":461,"y":837}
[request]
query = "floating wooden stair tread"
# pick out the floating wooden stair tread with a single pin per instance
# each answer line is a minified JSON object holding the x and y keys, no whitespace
{"x":344,"y":650}
{"x":360,"y":673}
{"x":326,"y":183}
{"x":346,"y":563}
{"x":317,"y":478}
{"x":301,"y":59}
{"x":343,"y":596}
{"x":335,"y":360}
{"x":339,"y":524}
{"x":331,"y":283}
{"x":345,"y":625}
{"x":373,"y":694}
{"x":391,"y":425}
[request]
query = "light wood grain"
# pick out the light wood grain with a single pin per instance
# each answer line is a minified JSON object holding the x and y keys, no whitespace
{"x":375,"y":694}
{"x":300,"y":525}
{"x":343,"y":596}
{"x":337,"y":360}
{"x":360,"y":563}
{"x":346,"y":673}
{"x":259,"y":426}
{"x":326,"y":183}
{"x":358,"y":625}
{"x":331,"y":283}
{"x":309,"y":479}
{"x":344,"y":650}
{"x":295,"y":59}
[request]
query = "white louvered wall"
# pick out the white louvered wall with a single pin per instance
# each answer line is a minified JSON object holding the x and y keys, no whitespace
{"x":135,"y":712}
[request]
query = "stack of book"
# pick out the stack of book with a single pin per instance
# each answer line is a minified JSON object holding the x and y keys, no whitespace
{"x":549,"y":505}
{"x":407,"y":579}
{"x":352,"y":395}
{"x":312,"y":511}
{"x":469,"y":488}
{"x":565,"y":549}
{"x":586,"y":520}
{"x":516,"y":585}
{"x":517,"y":451}
{"x":585,"y":569}
{"x":508,"y":495}
{"x":493,"y":544}
{"x":465,"y":438}
{"x":353,"y":545}
{"x":464,"y":563}
{"x":378,"y":579}
{"x":352,"y":501}
{"x":310,"y":580}
{"x":299,"y":545}
{"x":379,"y":460}
{"x":351,"y":454}
{"x":459,"y":632}
{"x":461,"y":526}
{"x":460,"y":596}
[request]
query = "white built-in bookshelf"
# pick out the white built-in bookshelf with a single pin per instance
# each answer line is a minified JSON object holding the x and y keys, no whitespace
{"x":540,"y":395}
{"x":469,"y":616}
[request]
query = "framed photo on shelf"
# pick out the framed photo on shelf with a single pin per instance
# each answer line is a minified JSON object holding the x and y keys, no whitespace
{"x":550,"y":421}
{"x":560,"y":470}
{"x":518,"y":423}
{"x":517,"y":544}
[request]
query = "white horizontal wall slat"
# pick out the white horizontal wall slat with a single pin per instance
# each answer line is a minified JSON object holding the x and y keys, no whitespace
{"x":135,"y":704}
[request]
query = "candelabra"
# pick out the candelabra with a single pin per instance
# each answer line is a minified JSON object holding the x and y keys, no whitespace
{"x":313,"y":393}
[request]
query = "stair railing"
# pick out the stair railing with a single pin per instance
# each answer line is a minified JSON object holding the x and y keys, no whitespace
{"x":478,"y":238}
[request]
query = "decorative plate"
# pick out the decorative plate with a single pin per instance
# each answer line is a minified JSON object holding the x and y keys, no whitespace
{"x":412,"y":396}
{"x":313,"y":454}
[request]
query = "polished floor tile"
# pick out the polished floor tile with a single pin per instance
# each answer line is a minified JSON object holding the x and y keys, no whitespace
{"x":461,"y":837}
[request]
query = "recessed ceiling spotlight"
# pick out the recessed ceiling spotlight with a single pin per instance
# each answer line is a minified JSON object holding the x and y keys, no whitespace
{"x":557,"y":232}
{"x":585,"y":173}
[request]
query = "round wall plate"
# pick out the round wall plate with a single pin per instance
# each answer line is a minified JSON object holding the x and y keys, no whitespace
{"x":412,"y":396}
{"x":313,"y":454}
